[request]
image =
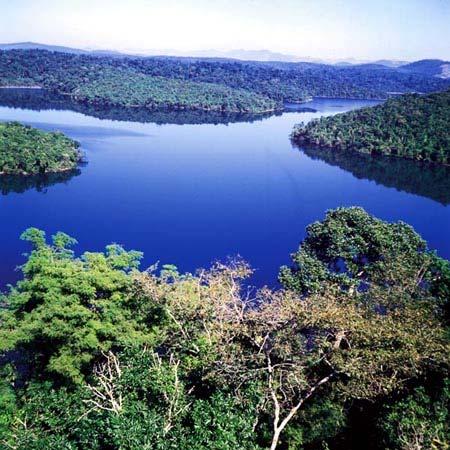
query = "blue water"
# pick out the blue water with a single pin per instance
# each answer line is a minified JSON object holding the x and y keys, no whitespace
{"x":192,"y":194}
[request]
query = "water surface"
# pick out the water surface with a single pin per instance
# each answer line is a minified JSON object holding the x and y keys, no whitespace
{"x":188,"y":193}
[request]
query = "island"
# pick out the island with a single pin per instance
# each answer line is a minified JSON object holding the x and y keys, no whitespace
{"x":409,"y":126}
{"x":25,"y":150}
{"x":130,"y":89}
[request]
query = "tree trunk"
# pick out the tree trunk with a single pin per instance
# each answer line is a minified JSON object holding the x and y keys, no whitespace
{"x":275,"y":438}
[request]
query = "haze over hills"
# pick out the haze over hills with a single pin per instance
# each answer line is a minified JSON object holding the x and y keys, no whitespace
{"x":35,"y":45}
{"x":430,"y":67}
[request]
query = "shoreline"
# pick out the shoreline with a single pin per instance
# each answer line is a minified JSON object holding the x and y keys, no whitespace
{"x":21,"y":87}
{"x":325,"y":97}
{"x":47,"y":172}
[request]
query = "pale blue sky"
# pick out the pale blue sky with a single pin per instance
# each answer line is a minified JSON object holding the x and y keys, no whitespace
{"x":372,"y":29}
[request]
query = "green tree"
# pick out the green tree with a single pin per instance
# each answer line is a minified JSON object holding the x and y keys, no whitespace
{"x":419,"y":421}
{"x":67,"y":310}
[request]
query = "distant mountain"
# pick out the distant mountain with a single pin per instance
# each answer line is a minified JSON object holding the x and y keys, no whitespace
{"x":257,"y":55}
{"x":390,"y":63}
{"x":430,"y":67}
{"x":58,"y":48}
{"x":427,"y":67}
{"x":35,"y":45}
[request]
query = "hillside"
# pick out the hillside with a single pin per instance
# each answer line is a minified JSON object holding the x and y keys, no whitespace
{"x":109,"y":81}
{"x":430,"y":67}
{"x":26,"y":151}
{"x":410,"y":126}
{"x":37,"y":46}
{"x":281,"y":82}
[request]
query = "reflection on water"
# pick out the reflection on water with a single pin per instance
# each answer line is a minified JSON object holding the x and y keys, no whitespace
{"x":18,"y":183}
{"x":427,"y":180}
{"x":40,"y":99}
{"x":189,"y":195}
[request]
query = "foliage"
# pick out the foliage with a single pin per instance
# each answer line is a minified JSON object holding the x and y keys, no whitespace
{"x":70,"y":309}
{"x":7,"y":398}
{"x":292,"y":82}
{"x":419,"y":421}
{"x":42,"y":99}
{"x":356,"y":250}
{"x":411,"y":126}
{"x":115,"y":358}
{"x":360,"y":253}
{"x":25,"y":150}
{"x":322,"y":420}
{"x":129,"y":89}
{"x":101,"y":81}
{"x":64,"y":73}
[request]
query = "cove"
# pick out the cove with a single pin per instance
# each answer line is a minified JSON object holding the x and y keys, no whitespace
{"x":189,"y":189}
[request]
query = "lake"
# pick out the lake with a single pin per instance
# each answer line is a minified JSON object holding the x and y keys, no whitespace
{"x":189,"y":189}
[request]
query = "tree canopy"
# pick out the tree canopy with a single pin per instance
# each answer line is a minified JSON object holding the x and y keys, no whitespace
{"x":26,"y":151}
{"x":100,"y":355}
{"x":410,"y":126}
{"x":130,"y":89}
{"x":245,"y":86}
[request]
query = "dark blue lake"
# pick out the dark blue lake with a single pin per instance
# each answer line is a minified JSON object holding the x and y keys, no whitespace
{"x":188,"y":193}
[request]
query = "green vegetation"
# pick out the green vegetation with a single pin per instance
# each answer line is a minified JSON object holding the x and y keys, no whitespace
{"x":43,"y":99}
{"x":99,"y":355}
{"x":25,"y":151}
{"x":103,"y":82}
{"x":421,"y":420}
{"x":226,"y":80}
{"x":411,"y":126}
{"x":129,"y":89}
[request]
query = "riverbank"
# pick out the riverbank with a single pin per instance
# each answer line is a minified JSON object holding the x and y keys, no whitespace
{"x":20,"y":87}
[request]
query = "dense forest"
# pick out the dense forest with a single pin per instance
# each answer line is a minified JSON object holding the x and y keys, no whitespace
{"x":43,"y":100}
{"x":130,"y":89}
{"x":351,"y":352}
{"x":204,"y":84}
{"x":410,"y":126}
{"x":26,"y":151}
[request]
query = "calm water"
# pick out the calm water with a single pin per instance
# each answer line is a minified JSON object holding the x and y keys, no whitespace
{"x":194,"y":193}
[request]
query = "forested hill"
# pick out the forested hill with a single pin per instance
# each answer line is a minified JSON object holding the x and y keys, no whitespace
{"x":102,"y":81}
{"x":270,"y":84}
{"x":411,"y":126}
{"x":430,"y":67}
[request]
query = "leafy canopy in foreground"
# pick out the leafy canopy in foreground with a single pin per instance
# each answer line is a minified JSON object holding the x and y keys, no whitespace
{"x":70,"y":309}
{"x":146,"y":360}
{"x":355,"y":250}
